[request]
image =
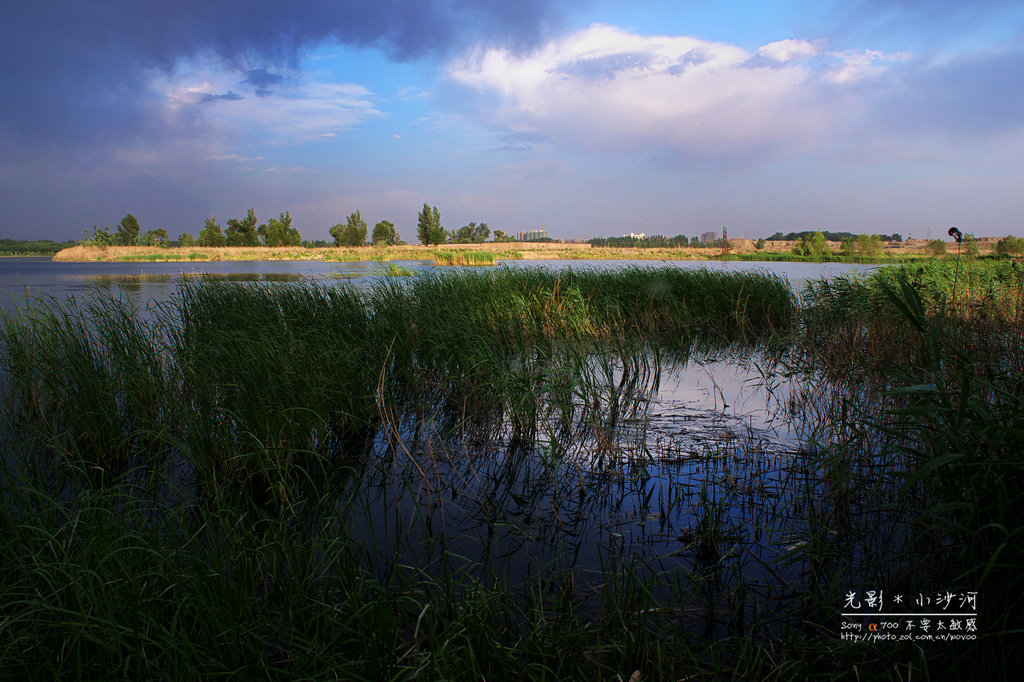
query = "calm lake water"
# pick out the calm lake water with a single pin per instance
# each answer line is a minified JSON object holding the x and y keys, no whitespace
{"x":143,"y":282}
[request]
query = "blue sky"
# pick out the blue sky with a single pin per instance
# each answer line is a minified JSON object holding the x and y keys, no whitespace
{"x":588,"y":118}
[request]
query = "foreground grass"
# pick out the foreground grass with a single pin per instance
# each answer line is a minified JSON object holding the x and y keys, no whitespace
{"x":194,"y":491}
{"x":175,"y":498}
{"x":942,"y":343}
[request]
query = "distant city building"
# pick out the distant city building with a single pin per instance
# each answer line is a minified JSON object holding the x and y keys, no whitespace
{"x":532,"y":235}
{"x":634,"y":236}
{"x":708,"y":237}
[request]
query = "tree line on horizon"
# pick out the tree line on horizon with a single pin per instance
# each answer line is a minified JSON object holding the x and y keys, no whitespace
{"x":248,"y":231}
{"x":33,"y":246}
{"x":680,"y":241}
{"x":129,"y":233}
{"x":429,"y":231}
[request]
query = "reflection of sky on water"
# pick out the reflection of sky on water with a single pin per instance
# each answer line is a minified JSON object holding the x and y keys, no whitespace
{"x":146,"y":282}
{"x":714,"y":438}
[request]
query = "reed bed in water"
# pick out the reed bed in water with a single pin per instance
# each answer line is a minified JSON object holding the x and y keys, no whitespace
{"x":927,"y":364}
{"x":181,"y":485}
{"x":279,"y":479}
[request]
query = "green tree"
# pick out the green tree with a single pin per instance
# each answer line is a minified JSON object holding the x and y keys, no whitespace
{"x":760,"y":244}
{"x":819,"y":247}
{"x":800,"y":248}
{"x":243,"y":232}
{"x":352,"y":233}
{"x":155,"y":238}
{"x":428,"y":226}
{"x":384,"y":233}
{"x":472,"y":234}
{"x":848,"y":248}
{"x":291,"y":234}
{"x":279,"y":232}
{"x":937,"y":247}
{"x":100,"y":237}
{"x":1010,"y":245}
{"x":338,"y":233}
{"x":971,"y":249}
{"x":186,"y":239}
{"x":128,"y":231}
{"x":870,"y":245}
{"x":211,"y":234}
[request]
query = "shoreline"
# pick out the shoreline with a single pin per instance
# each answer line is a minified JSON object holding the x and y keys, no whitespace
{"x":740,"y":250}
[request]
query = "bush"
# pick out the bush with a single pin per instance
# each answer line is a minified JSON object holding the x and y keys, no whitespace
{"x":1010,"y":245}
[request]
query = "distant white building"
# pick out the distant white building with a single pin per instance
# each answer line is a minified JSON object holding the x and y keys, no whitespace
{"x":532,"y":235}
{"x":634,"y":236}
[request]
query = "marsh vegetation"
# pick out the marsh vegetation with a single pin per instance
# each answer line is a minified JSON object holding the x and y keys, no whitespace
{"x":473,"y":475}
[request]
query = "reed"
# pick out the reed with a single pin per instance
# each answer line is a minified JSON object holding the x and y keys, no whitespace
{"x":295,"y":479}
{"x":464,"y":257}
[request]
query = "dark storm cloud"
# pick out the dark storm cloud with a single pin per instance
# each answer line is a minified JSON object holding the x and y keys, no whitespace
{"x":262,"y":79}
{"x":78,"y":69}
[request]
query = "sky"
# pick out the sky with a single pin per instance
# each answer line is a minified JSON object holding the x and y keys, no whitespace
{"x":585,"y":117}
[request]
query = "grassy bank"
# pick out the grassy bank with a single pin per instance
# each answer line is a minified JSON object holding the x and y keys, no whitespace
{"x":397,"y":482}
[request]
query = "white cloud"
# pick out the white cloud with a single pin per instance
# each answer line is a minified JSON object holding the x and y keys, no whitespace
{"x":788,"y":50}
{"x":305,"y":106}
{"x":606,"y":89}
{"x":855,"y":66}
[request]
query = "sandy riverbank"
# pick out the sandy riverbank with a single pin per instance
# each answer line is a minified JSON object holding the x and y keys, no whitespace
{"x":502,"y":251}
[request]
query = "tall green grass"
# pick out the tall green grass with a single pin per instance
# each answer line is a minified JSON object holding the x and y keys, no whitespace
{"x":926,"y":361}
{"x":181,"y":484}
{"x":463,"y":257}
{"x":295,"y":479}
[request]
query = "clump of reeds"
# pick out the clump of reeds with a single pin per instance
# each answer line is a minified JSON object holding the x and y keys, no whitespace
{"x":926,"y":361}
{"x":463,"y":257}
{"x":962,"y":429}
{"x":393,"y":270}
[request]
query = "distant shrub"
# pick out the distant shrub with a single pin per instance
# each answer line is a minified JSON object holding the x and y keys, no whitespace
{"x":937,"y":247}
{"x":870,"y":245}
{"x":970,"y":245}
{"x":1010,"y":245}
